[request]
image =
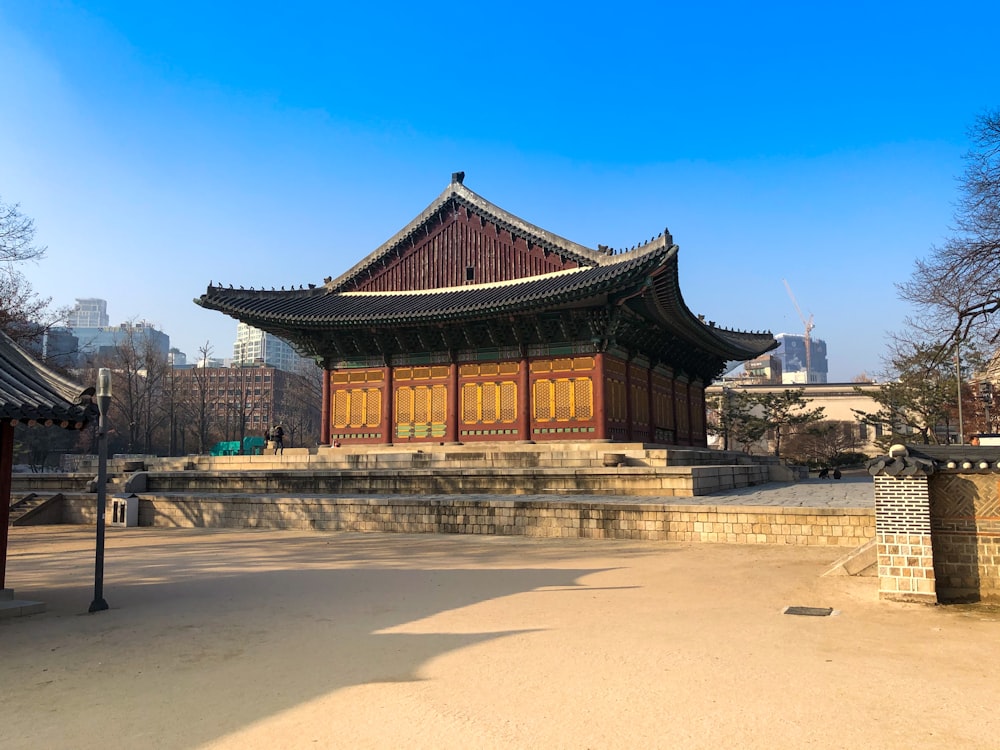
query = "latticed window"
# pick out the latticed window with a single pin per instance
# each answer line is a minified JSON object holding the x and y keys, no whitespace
{"x":614,"y":392}
{"x":640,"y":404}
{"x":439,"y":404}
{"x":404,"y":406}
{"x":470,"y":403}
{"x":583,"y":398}
{"x":543,"y":400}
{"x":564,"y":399}
{"x":341,"y":404}
{"x":563,"y":407}
{"x":508,"y":402}
{"x":373,"y":415}
{"x":357,"y":407}
{"x":490,"y":400}
{"x":489,"y":403}
{"x":421,"y":404}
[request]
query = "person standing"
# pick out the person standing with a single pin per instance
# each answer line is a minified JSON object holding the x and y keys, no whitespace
{"x":278,"y":437}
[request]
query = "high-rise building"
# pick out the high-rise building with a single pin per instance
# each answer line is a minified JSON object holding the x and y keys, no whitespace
{"x":254,"y":347}
{"x":88,"y":313}
{"x":791,"y":352}
{"x":88,"y":321}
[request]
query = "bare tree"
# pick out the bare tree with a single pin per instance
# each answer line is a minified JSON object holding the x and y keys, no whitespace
{"x":24,"y":316}
{"x":826,"y":443}
{"x":198,"y":406}
{"x":139,"y":370}
{"x":17,"y":235}
{"x":957,"y":289}
{"x":298,"y":408}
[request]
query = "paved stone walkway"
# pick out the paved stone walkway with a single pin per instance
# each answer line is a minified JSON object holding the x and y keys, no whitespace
{"x":855,"y":491}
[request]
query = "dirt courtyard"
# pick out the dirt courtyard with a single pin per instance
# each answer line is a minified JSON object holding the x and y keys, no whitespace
{"x":276,"y":639}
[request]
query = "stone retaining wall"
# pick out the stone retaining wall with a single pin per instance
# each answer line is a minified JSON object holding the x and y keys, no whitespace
{"x":657,"y":522}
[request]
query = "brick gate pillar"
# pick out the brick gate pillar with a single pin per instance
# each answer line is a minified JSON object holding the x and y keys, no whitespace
{"x":903,"y":539}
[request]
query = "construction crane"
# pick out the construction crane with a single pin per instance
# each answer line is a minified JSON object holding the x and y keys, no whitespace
{"x":808,"y":324}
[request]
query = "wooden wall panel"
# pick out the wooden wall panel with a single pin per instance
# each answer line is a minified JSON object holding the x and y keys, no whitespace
{"x":451,"y":247}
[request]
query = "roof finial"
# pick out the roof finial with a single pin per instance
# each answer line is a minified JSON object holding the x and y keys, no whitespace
{"x":458,"y":177}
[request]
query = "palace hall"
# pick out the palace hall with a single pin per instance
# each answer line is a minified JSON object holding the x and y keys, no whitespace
{"x":471,"y":324}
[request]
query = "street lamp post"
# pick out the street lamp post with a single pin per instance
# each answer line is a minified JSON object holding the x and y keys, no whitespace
{"x":103,"y":405}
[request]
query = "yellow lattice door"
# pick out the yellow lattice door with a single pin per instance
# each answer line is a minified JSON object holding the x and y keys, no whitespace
{"x":564,"y":399}
{"x":508,"y":403}
{"x":421,"y":411}
{"x":489,"y":403}
{"x":356,"y":407}
{"x":543,"y":400}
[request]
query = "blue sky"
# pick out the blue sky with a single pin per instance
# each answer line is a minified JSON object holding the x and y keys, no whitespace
{"x":161,"y":146}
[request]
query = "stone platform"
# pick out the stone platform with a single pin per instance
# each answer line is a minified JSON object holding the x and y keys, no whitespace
{"x":603,"y":491}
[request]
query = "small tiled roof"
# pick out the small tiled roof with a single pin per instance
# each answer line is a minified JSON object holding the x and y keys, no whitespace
{"x":29,"y":391}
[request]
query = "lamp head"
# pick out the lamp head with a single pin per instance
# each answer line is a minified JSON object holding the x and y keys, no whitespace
{"x":104,"y":382}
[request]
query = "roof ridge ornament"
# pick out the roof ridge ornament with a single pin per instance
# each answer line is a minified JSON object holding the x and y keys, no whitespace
{"x":458,"y":177}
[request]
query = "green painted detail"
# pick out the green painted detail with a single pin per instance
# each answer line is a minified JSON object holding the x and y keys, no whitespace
{"x":354,"y":364}
{"x":421,"y":358}
{"x":421,"y":430}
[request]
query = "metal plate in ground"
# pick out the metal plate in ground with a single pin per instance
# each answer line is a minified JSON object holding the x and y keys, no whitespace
{"x":811,"y":611}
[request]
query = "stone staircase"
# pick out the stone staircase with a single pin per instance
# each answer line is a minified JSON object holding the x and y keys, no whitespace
{"x":504,"y":469}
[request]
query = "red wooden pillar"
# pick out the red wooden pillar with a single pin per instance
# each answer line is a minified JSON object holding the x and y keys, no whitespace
{"x":629,"y":411}
{"x":652,"y":404}
{"x":601,"y":429}
{"x":386,"y":422}
{"x":674,"y":428}
{"x":453,"y":415}
{"x":524,"y":401}
{"x":690,"y":406}
{"x":324,"y":423}
{"x":697,"y":415}
{"x":6,"y":467}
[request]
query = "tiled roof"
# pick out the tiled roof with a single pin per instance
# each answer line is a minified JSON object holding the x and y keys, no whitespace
{"x":645,"y":280}
{"x":457,"y":194}
{"x":30,"y":391}
{"x":320,"y":307}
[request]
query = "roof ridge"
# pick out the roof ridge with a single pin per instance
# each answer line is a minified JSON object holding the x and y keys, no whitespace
{"x":458,"y":192}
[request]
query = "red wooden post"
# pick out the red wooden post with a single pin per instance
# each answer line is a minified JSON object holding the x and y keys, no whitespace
{"x":523,"y":401}
{"x":386,"y":423}
{"x":324,"y":424}
{"x":652,"y":403}
{"x":629,"y":434}
{"x":6,"y":467}
{"x":453,"y":416}
{"x":601,"y":429}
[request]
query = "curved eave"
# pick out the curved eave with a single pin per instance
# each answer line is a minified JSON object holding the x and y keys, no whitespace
{"x":31,"y":392}
{"x":662,"y":301}
{"x":320,"y":309}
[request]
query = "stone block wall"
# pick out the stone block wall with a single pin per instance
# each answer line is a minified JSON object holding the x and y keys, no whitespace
{"x":586,"y":520}
{"x":903,"y":539}
{"x":965,"y":523}
{"x":938,"y":523}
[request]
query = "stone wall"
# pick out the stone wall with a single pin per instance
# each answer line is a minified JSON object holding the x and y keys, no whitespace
{"x":965,"y":524}
{"x":587,"y":520}
{"x":938,"y":523}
